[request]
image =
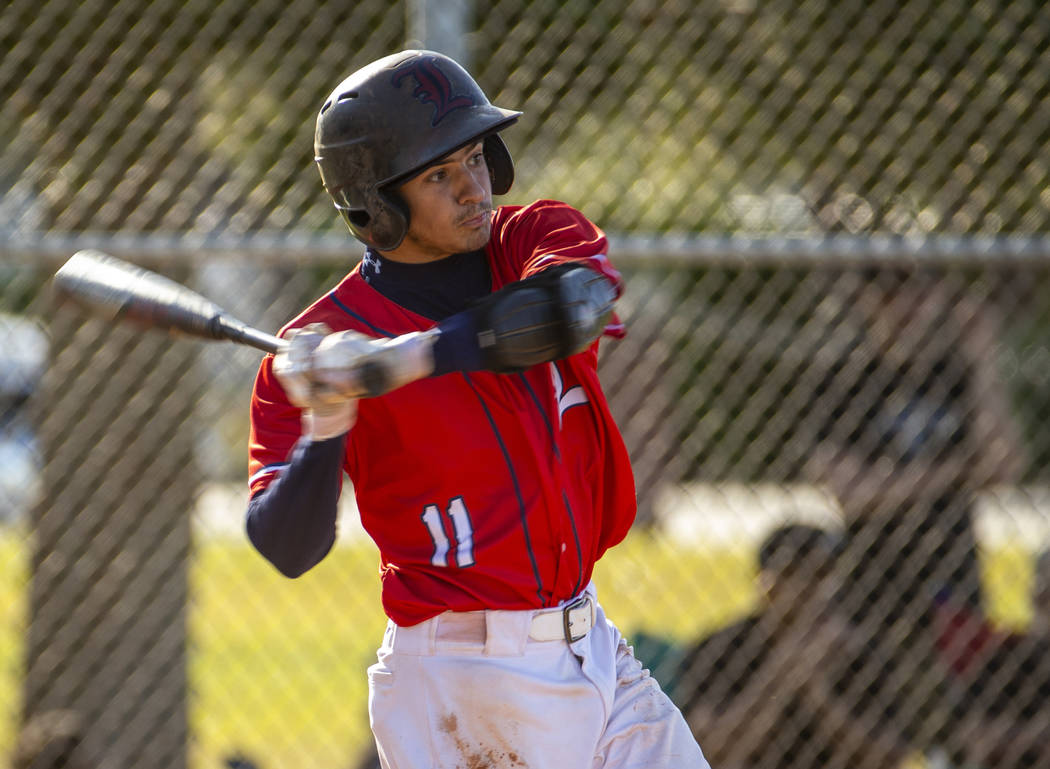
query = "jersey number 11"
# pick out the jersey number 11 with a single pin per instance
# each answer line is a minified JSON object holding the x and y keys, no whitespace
{"x":462,"y":530}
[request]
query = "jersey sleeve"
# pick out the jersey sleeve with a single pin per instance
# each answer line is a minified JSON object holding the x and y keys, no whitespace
{"x":549,"y":232}
{"x":275,"y":428}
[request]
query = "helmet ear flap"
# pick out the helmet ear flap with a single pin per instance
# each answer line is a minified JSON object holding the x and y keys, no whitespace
{"x":383,"y":225}
{"x":501,"y":166}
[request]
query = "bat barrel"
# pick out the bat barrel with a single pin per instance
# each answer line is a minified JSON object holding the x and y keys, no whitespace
{"x":117,"y":290}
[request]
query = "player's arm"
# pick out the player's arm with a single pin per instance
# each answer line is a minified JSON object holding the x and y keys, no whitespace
{"x":545,"y":317}
{"x":548,"y":316}
{"x":292,"y":521}
{"x":561,"y":304}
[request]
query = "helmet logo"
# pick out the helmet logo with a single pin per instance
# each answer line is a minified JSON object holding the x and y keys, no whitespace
{"x":432,"y":86}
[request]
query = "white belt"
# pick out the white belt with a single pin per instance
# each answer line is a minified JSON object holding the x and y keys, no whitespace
{"x":571,"y":622}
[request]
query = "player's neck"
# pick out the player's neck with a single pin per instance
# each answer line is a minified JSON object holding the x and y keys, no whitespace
{"x":413,"y":251}
{"x":415,"y":256}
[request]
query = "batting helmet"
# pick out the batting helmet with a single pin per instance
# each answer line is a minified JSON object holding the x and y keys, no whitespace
{"x":390,"y":120}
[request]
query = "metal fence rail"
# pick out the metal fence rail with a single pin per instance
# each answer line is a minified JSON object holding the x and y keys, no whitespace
{"x":832,"y":219}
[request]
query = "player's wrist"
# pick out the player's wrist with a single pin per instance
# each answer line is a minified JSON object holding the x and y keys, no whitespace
{"x":409,"y":357}
{"x":349,"y":365}
{"x":329,"y":421}
{"x":456,"y":346}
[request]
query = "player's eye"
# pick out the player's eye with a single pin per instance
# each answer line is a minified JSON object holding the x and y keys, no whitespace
{"x":477,"y":159}
{"x":438,"y":175}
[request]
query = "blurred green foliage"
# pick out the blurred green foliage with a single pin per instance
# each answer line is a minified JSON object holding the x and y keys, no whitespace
{"x":720,"y":115}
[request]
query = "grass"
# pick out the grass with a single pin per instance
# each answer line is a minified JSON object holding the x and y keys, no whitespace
{"x":14,"y":572}
{"x":277,"y":666}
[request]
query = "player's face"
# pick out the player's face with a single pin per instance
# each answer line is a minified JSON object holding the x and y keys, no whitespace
{"x":450,"y":207}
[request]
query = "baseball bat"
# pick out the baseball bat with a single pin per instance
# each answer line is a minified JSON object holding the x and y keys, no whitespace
{"x":117,"y":290}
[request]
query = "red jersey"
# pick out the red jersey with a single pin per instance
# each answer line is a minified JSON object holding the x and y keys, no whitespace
{"x":481,"y":490}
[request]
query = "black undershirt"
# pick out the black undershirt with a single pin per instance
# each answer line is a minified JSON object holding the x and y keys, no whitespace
{"x":434,"y":290}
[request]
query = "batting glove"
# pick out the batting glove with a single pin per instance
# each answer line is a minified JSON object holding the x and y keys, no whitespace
{"x":326,"y":412}
{"x":324,"y":373}
{"x":360,"y":367}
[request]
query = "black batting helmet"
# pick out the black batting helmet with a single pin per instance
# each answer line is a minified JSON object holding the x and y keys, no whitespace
{"x":390,"y":120}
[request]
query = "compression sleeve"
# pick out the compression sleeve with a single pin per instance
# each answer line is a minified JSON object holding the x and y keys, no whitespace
{"x":456,"y":348}
{"x":292,"y":522}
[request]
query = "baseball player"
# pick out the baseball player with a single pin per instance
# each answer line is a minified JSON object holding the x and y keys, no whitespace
{"x":485,"y":462}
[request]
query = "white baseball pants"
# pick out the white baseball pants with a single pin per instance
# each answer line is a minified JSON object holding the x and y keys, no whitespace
{"x":476,"y":690}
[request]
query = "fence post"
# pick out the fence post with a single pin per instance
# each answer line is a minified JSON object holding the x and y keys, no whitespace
{"x":441,"y":25}
{"x":107,"y":627}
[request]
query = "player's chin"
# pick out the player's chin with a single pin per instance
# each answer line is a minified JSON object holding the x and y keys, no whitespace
{"x":475,"y":233}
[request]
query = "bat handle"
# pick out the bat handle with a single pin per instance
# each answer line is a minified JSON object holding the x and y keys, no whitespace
{"x":227,"y":327}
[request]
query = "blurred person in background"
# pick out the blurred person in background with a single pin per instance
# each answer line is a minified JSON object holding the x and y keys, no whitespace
{"x":776,"y":690}
{"x":1000,"y":684}
{"x":1001,"y":718}
{"x":918,"y":421}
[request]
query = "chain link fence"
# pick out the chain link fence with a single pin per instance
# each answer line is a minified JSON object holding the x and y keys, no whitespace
{"x":832,"y":222}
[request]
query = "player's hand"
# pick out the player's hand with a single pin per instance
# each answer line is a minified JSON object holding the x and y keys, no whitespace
{"x":353,"y":365}
{"x":326,"y":412}
{"x":325,"y":373}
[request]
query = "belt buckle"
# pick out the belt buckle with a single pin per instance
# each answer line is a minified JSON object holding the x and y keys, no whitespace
{"x":567,"y":623}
